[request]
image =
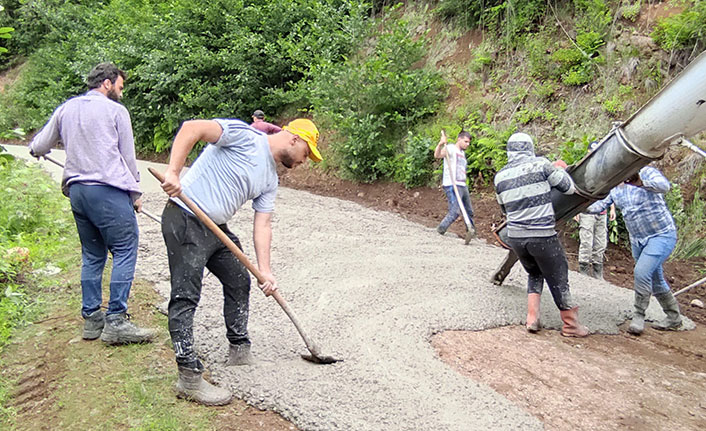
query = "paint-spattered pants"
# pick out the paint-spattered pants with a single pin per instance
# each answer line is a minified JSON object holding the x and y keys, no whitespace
{"x":544,"y":259}
{"x":191,"y":246}
{"x":593,"y":232}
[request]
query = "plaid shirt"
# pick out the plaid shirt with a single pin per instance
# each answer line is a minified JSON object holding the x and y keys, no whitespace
{"x":644,"y":210}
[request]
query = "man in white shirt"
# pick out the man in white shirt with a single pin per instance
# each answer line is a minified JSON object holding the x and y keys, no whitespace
{"x":455,"y":174}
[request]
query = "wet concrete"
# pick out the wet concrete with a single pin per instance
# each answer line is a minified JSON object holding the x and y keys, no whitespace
{"x":370,"y":288}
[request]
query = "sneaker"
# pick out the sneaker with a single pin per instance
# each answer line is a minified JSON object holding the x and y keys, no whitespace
{"x":119,"y":330}
{"x":93,"y":325}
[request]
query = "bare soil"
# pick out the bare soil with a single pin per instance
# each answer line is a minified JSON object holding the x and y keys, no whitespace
{"x":602,"y":382}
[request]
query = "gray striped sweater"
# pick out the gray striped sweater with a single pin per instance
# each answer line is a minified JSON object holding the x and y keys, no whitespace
{"x":523,"y":189}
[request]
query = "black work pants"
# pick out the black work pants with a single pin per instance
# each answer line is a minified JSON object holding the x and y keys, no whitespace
{"x":191,"y":246}
{"x":544,"y":259}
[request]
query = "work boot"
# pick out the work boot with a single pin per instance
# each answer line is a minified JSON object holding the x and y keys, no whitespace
{"x":637,"y":325}
{"x":533,"y":301}
{"x":192,"y":386}
{"x":598,"y":271}
{"x":93,"y":325}
{"x":585,"y":268}
{"x":441,"y":230}
{"x":119,"y":330}
{"x":239,"y":354}
{"x":671,"y":309}
{"x":572,"y":327}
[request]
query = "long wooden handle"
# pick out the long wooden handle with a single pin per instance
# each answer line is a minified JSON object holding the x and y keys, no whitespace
{"x":205,"y":219}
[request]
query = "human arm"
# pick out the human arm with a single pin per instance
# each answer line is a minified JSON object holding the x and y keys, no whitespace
{"x":600,"y":206}
{"x":611,"y":213}
{"x":651,"y":179}
{"x":262,"y":238}
{"x":126,"y":142}
{"x":559,"y":179}
{"x":48,"y":137}
{"x":188,"y":135}
{"x":440,"y":150}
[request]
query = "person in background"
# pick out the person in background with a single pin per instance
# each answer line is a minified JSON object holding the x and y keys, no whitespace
{"x":523,"y":189}
{"x":455,"y":174}
{"x":653,"y":236}
{"x":102,"y":181}
{"x":259,"y":123}
{"x":593,"y":236}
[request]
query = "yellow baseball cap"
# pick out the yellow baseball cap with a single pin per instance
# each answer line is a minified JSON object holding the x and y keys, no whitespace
{"x":306,"y":130}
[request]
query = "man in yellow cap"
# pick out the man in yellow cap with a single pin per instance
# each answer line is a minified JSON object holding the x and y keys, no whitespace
{"x":238,"y":164}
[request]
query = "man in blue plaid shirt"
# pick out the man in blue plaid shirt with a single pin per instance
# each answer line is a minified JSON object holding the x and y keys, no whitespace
{"x":653,"y":236}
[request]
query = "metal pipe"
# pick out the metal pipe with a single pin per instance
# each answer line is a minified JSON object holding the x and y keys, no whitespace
{"x":676,"y":112}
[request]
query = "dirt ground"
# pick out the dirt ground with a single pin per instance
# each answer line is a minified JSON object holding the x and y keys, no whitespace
{"x":603,"y":382}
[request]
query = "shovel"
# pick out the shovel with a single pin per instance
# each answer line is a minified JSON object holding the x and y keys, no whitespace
{"x":466,"y":219}
{"x":315,"y":355}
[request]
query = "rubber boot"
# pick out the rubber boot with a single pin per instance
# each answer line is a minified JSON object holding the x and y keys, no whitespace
{"x":598,"y":271}
{"x":585,"y":268}
{"x":533,"y":301}
{"x":637,"y":325}
{"x":192,"y":386}
{"x":119,"y":330}
{"x":671,"y":309}
{"x":239,"y":354}
{"x":93,"y":325}
{"x":572,"y":327}
{"x":441,"y":230}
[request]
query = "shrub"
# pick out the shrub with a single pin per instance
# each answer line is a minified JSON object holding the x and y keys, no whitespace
{"x":373,"y":99}
{"x":684,"y":30}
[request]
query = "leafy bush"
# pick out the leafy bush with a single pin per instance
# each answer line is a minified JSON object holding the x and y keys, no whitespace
{"x":631,"y":11}
{"x":373,"y":99}
{"x":684,"y":30}
{"x":417,"y":166}
{"x":183,"y":61}
{"x":573,"y":151}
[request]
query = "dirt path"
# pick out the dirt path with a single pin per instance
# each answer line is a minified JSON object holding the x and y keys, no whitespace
{"x":374,"y":288}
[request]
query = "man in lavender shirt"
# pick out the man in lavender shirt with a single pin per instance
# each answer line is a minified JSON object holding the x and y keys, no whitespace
{"x":259,"y":123}
{"x":101,"y":180}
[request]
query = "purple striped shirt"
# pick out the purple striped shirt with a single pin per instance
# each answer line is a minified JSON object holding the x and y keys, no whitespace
{"x":97,"y":136}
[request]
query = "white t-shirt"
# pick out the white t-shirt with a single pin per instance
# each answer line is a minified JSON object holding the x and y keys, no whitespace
{"x":237,"y":168}
{"x":458,"y":158}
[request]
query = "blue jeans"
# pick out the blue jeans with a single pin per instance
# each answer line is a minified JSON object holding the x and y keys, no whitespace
{"x":454,"y":210}
{"x":649,"y":256}
{"x":105,"y":220}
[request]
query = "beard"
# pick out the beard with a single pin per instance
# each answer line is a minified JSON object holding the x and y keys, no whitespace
{"x":287,"y":160}
{"x":113,"y":95}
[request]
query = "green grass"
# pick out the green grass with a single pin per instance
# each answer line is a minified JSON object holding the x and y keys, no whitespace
{"x":48,"y":374}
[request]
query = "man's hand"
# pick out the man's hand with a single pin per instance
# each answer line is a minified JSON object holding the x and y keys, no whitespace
{"x":443,"y":139}
{"x":137,"y":205}
{"x":577,"y":218}
{"x":171,"y":184}
{"x":270,"y":284}
{"x":611,"y":213}
{"x":31,"y":153}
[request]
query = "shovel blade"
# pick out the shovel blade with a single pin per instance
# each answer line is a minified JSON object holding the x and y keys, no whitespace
{"x":321,"y":359}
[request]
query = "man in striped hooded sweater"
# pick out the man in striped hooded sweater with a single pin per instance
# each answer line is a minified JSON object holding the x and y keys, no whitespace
{"x":523,"y":190}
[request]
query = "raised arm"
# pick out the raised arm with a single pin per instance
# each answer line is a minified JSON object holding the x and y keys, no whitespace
{"x":189,"y":134}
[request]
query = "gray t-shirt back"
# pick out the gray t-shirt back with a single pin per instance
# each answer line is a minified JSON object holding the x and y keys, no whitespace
{"x":237,"y":168}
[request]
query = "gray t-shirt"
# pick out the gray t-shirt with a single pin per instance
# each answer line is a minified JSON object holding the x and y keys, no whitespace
{"x":237,"y":168}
